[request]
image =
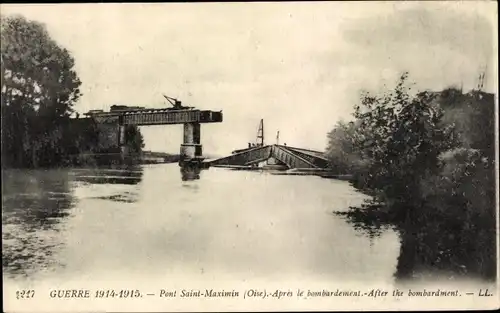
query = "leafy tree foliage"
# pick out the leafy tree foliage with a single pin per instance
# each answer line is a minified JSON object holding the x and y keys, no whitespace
{"x":134,"y":139}
{"x":342,"y":151}
{"x":401,"y":136}
{"x":39,"y":87}
{"x":428,"y":159}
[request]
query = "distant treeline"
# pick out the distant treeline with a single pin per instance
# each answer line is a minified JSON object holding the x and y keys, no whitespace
{"x":158,"y":154}
{"x":166,"y":157}
{"x":39,"y":88}
{"x":428,"y":160}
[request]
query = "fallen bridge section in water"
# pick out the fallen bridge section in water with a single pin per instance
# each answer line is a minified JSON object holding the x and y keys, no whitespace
{"x":287,"y":156}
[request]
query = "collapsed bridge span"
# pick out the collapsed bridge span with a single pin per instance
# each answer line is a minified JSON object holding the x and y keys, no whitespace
{"x":278,"y":154}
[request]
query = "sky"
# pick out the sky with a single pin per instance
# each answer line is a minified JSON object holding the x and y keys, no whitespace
{"x":299,"y":66}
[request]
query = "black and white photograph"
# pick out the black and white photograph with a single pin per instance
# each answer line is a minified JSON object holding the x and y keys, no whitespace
{"x":260,"y":156}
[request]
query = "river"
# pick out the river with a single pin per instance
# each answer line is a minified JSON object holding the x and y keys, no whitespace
{"x":148,"y":222}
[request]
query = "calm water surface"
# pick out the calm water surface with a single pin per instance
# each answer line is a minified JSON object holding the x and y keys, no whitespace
{"x":74,"y":224}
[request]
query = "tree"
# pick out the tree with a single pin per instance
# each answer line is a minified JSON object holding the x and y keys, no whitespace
{"x":401,"y":136}
{"x":473,"y":115}
{"x":38,"y":88}
{"x":342,"y":151}
{"x":134,"y":139}
{"x":429,"y":162}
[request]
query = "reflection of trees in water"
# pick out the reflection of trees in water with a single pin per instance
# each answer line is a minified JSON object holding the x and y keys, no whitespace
{"x":128,"y":175}
{"x":35,"y":198}
{"x":33,"y":205}
{"x":118,"y":175}
{"x":365,"y":221}
{"x":446,"y":247}
{"x":429,"y":248}
{"x":35,"y":202}
{"x":125,"y":197}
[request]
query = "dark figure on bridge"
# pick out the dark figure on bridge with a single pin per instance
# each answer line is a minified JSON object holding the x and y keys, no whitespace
{"x":178,"y":105}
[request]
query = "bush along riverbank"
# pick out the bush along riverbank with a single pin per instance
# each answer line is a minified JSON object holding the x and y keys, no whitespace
{"x":428,"y":160}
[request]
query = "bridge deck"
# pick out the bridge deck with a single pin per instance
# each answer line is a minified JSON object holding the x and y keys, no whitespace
{"x":160,"y":116}
{"x":313,"y":153}
{"x":284,"y":154}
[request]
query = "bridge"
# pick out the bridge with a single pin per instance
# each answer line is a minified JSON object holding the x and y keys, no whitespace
{"x":191,"y":118}
{"x":191,"y":148}
{"x":290,"y":157}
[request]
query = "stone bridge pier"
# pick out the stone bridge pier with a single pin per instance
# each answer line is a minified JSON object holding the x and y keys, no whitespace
{"x":191,"y":148}
{"x":122,"y":141}
{"x":191,"y":153}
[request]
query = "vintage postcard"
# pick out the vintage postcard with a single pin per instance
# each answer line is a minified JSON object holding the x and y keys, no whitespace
{"x":263,"y":156}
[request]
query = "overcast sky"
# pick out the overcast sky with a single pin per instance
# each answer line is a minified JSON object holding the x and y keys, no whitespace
{"x":299,"y":66}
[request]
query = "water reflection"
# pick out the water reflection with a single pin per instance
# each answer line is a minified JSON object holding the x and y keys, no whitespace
{"x":277,"y":227}
{"x":126,"y":175}
{"x":189,"y":173}
{"x":125,"y":197}
{"x":34,"y":203}
{"x":437,"y":250}
{"x":363,"y":220}
{"x":428,"y":250}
